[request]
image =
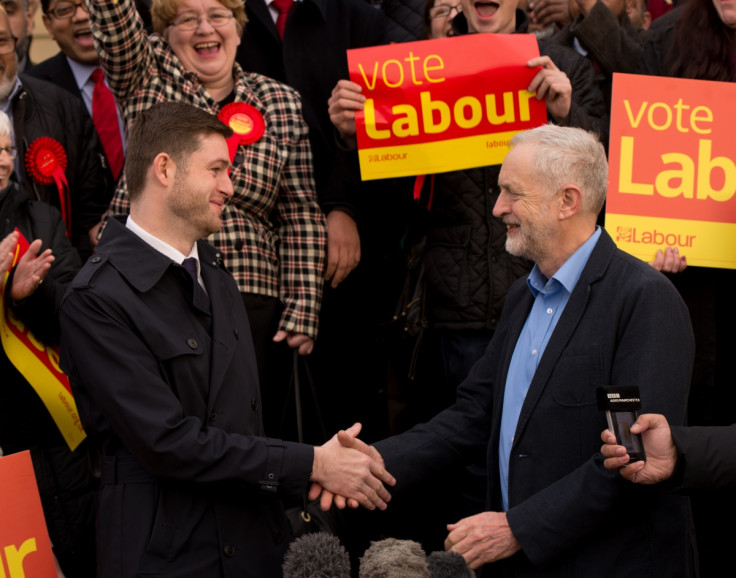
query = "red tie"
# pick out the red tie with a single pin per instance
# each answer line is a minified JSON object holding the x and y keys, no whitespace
{"x":283,"y":7}
{"x":105,"y":117}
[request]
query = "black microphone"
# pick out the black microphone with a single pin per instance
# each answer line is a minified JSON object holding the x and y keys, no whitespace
{"x":448,"y":565}
{"x":316,"y":555}
{"x":392,"y":558}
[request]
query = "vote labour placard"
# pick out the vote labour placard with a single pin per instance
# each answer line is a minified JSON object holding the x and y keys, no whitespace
{"x":672,"y":175}
{"x":440,"y":105}
{"x":25,"y":549}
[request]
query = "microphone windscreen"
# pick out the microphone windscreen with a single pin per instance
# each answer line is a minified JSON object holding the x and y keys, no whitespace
{"x":448,"y":565}
{"x":391,"y":558}
{"x":316,"y":555}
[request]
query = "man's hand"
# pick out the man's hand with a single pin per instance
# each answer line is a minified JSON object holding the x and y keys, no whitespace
{"x":7,"y":251}
{"x":554,"y":86}
{"x":30,"y":271}
{"x":94,"y":235}
{"x":669,"y":261}
{"x":345,"y":100}
{"x":658,"y":447}
{"x":350,"y":473}
{"x":302,"y":343}
{"x":343,"y":247}
{"x":546,"y":12}
{"x":482,"y":538}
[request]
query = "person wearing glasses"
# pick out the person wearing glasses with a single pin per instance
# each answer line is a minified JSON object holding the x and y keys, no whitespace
{"x":32,"y":294}
{"x":76,"y":69}
{"x":273,"y":237}
{"x":21,"y":23}
{"x":49,"y":121}
{"x":438,"y":15}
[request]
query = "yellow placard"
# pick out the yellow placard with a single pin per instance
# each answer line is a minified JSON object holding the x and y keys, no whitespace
{"x":672,"y":169}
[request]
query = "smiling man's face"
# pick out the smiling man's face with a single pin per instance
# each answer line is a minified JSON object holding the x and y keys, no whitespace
{"x":73,"y":34}
{"x":490,"y":15}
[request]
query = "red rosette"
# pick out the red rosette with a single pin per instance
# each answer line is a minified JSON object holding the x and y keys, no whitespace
{"x":45,"y":158}
{"x":246,"y":123}
{"x":46,"y":163}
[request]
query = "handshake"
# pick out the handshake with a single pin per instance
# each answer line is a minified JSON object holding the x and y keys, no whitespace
{"x":347,"y":471}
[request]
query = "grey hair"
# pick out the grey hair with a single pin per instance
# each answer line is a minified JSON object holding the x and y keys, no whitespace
{"x":6,"y":128}
{"x":567,"y":155}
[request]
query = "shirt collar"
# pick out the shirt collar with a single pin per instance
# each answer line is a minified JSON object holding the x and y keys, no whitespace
{"x":566,"y":276}
{"x":81,"y":71}
{"x":5,"y":105}
{"x":160,"y":246}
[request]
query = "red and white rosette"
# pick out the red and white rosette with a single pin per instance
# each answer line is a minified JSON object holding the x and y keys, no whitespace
{"x":46,"y":163}
{"x":246,"y":123}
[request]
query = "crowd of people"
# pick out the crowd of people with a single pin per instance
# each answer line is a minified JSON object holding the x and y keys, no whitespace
{"x":464,"y":318}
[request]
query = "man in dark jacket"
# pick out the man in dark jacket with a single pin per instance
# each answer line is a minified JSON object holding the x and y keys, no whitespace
{"x":47,"y":119}
{"x":157,"y":345}
{"x":467,"y":271}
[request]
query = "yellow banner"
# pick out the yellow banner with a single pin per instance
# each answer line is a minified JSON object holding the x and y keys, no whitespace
{"x":39,"y":364}
{"x":448,"y":155}
{"x":707,"y":243}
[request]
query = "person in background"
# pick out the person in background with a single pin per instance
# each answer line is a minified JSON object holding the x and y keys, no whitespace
{"x":49,"y":123}
{"x":438,"y":15}
{"x":32,"y":294}
{"x":76,"y":69}
{"x":21,"y":21}
{"x":273,"y":236}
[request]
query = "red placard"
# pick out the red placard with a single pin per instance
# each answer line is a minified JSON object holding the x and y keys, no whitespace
{"x":447,"y":104}
{"x":25,"y":548}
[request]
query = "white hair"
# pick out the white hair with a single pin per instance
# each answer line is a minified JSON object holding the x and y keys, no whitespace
{"x":567,"y":155}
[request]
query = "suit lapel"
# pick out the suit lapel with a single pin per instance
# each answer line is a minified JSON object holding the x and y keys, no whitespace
{"x":566,"y":326}
{"x":258,"y":9}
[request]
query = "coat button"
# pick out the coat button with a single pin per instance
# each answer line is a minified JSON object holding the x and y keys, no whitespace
{"x":213,"y":415}
{"x":229,"y":550}
{"x":95,"y":259}
{"x":254,"y":404}
{"x":192,"y":343}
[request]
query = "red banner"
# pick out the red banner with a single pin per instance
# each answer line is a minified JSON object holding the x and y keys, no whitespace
{"x":439,"y":105}
{"x":25,"y":548}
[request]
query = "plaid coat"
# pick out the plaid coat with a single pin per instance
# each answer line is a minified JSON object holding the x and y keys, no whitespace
{"x":273,"y":236}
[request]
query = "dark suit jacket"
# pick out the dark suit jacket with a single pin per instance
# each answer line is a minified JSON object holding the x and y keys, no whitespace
{"x":189,"y":485}
{"x":57,"y":71}
{"x":312,"y":59}
{"x":625,"y":324}
{"x":707,"y":456}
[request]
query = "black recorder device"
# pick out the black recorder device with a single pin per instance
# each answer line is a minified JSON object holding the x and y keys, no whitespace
{"x":622,"y":405}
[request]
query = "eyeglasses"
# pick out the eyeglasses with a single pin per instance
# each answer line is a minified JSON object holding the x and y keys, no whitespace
{"x":444,"y":11}
{"x":190,"y":21}
{"x":10,"y":150}
{"x":65,"y":10}
{"x":7,"y":44}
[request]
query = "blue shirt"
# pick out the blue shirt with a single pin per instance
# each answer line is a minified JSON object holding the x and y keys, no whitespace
{"x":550,"y":298}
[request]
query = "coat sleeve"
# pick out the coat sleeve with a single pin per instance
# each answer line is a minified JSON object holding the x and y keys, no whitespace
{"x":709,"y":456}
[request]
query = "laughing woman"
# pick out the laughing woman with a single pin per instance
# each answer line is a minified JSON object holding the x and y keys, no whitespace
{"x":273,"y":234}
